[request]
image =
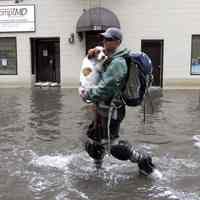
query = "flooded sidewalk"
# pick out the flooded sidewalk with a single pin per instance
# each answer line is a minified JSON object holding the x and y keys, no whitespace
{"x":42,"y":155}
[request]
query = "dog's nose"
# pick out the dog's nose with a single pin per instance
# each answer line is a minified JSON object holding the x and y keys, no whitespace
{"x":103,"y":57}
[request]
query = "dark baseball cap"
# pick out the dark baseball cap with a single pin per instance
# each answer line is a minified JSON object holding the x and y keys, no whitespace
{"x":112,"y":33}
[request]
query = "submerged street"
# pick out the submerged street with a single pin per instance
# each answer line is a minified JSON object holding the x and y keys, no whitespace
{"x":42,"y":155}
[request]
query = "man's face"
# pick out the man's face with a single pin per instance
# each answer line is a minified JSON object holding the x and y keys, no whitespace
{"x":110,"y":44}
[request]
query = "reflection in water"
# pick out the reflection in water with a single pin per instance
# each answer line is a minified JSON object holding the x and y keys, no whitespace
{"x":42,"y":157}
{"x":14,"y":105}
{"x":45,"y":109}
{"x":198,"y":107}
{"x":9,"y":115}
{"x":153,"y":101}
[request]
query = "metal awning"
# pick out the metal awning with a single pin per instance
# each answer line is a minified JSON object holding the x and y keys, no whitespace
{"x":97,"y":19}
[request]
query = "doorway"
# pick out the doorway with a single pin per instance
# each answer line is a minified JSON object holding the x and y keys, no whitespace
{"x":46,"y":59}
{"x":154,"y":49}
{"x":93,"y":38}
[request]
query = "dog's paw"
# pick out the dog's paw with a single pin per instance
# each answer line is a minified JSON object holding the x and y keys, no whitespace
{"x":86,"y":71}
{"x":83,"y":92}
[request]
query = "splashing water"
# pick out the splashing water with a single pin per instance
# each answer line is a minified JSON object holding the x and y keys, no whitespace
{"x":49,"y":121}
{"x":156,"y":174}
{"x":60,"y":162}
{"x":196,"y":139}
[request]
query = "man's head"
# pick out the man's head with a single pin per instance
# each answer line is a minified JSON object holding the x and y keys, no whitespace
{"x":112,"y":38}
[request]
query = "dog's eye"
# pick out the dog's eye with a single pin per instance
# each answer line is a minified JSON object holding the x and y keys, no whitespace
{"x":98,"y":51}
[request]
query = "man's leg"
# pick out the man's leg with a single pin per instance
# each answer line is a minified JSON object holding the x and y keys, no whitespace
{"x":95,"y":133}
{"x":125,"y":151}
{"x":95,"y":151}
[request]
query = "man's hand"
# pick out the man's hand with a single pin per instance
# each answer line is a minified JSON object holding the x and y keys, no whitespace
{"x":83,"y":92}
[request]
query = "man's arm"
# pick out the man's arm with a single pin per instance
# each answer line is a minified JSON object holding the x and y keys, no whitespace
{"x":111,"y":82}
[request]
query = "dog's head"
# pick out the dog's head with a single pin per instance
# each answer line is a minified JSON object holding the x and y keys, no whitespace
{"x":98,"y":53}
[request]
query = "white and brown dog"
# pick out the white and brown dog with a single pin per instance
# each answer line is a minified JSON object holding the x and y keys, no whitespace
{"x":91,"y":68}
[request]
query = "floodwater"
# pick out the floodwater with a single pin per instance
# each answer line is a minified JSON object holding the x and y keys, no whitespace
{"x":42,"y":154}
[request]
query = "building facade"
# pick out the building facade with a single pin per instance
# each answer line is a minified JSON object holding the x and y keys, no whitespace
{"x":45,"y":41}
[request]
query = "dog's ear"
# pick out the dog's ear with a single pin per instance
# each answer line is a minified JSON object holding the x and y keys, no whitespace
{"x":91,"y":53}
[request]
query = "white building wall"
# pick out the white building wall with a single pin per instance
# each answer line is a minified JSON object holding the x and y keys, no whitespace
{"x":173,"y":21}
{"x":53,"y":19}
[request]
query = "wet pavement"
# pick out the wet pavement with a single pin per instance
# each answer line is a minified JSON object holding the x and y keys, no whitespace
{"x":42,"y":154}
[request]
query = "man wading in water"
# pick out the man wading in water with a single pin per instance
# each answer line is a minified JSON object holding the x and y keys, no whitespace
{"x":103,"y":132}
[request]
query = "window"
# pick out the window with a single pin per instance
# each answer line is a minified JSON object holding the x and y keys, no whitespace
{"x":195,"y":58}
{"x":8,"y":56}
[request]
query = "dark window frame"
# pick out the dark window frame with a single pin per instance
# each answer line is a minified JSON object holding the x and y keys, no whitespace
{"x":192,"y":52}
{"x":16,"y":71}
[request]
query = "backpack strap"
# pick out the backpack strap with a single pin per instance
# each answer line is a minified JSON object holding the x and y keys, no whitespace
{"x":128,"y":62}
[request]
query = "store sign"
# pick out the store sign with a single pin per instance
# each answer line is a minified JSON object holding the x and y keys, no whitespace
{"x":17,"y":18}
